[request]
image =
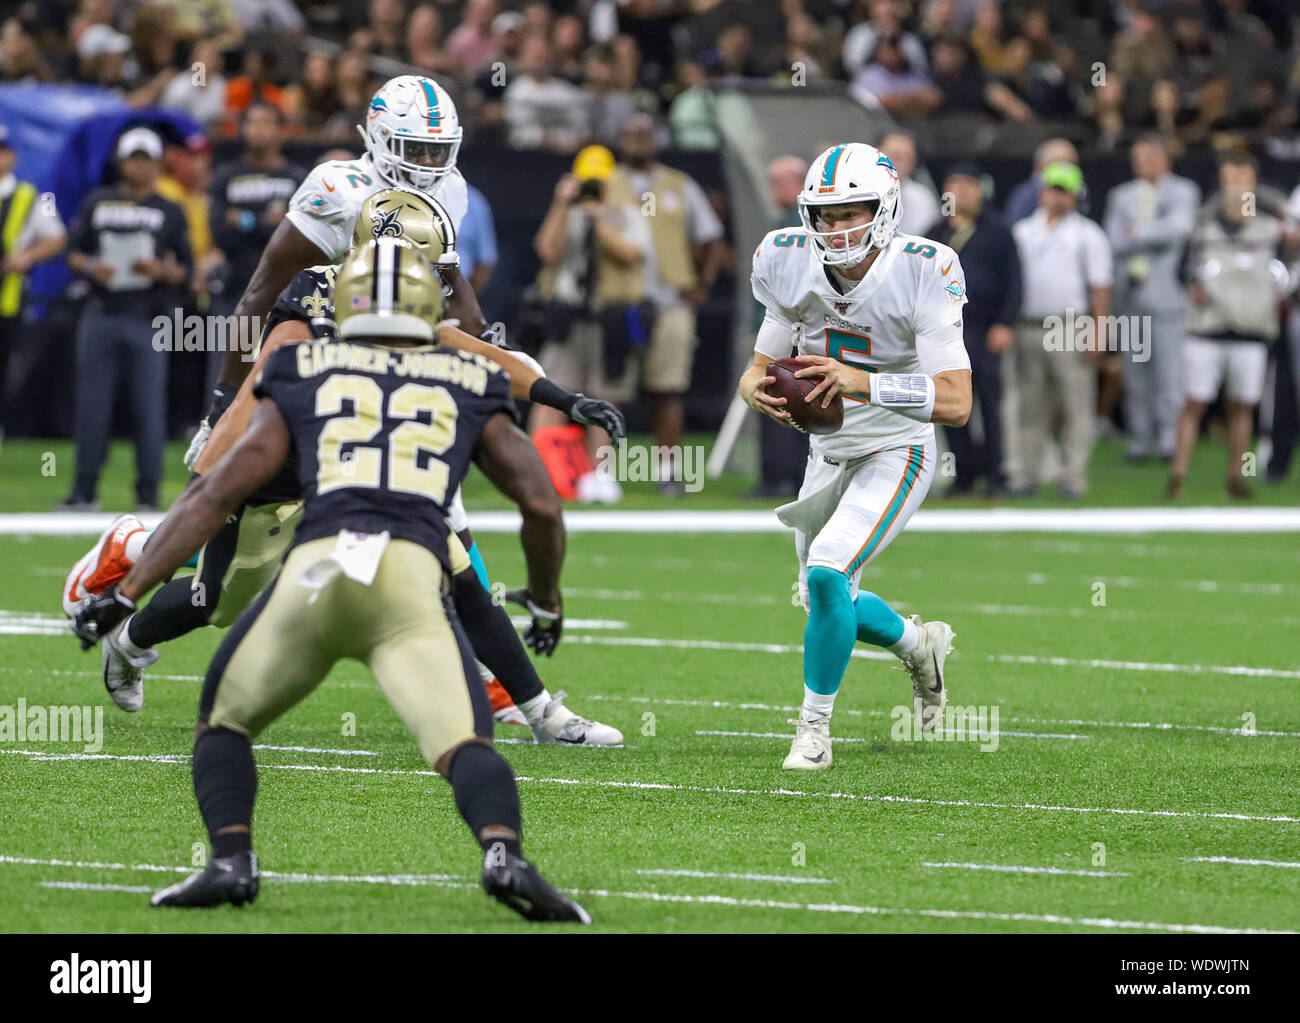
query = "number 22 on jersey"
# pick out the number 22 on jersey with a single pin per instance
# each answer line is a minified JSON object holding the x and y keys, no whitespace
{"x":402,"y":446}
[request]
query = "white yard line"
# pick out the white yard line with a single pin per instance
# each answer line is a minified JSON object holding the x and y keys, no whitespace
{"x":720,"y":790}
{"x":773,"y":878}
{"x":90,"y":886}
{"x":1104,"y":923}
{"x":972,"y":732}
{"x":1005,"y":869}
{"x":1240,"y":862}
{"x":927,"y":520}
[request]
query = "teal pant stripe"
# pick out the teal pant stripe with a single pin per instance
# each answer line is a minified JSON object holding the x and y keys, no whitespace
{"x":915,"y":460}
{"x":480,"y":569}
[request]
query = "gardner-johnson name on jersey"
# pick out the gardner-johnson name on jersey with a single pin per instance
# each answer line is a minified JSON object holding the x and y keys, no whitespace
{"x":469,"y":372}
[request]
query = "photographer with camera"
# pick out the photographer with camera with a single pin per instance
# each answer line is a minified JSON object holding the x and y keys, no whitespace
{"x":578,"y":245}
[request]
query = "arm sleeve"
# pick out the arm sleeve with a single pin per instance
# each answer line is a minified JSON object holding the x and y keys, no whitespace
{"x":320,"y":214}
{"x":775,"y":337}
{"x":1098,"y":266}
{"x":940,"y":344}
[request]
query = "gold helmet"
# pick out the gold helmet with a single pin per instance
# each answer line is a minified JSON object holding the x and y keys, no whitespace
{"x":406,"y":213}
{"x":386,"y":288}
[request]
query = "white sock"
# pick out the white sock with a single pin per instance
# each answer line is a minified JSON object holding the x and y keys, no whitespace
{"x":533,"y":709}
{"x":124,"y":640}
{"x":135,"y":544}
{"x":910,"y":639}
{"x":816,"y":705}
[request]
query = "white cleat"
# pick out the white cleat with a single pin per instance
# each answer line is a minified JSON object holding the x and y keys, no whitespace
{"x":124,"y":673}
{"x":811,"y":749}
{"x":925,"y":665}
{"x":558,"y":724}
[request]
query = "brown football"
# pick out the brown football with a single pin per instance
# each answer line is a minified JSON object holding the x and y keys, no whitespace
{"x":808,"y":415}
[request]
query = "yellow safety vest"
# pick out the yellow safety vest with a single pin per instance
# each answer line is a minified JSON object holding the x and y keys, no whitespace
{"x":20,"y":205}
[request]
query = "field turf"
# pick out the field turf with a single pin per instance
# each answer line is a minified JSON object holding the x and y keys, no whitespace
{"x":1144,"y":777}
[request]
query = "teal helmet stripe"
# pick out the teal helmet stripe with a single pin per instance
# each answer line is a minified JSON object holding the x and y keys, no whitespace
{"x":435,"y":115}
{"x":828,"y":172}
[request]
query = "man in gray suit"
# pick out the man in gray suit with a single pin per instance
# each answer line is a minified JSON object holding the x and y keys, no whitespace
{"x":1148,"y":221}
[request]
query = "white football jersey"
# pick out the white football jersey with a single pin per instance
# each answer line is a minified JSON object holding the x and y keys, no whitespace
{"x":904,"y":316}
{"x":326,"y":205}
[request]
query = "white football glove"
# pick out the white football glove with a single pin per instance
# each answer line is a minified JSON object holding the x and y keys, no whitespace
{"x":195,"y":449}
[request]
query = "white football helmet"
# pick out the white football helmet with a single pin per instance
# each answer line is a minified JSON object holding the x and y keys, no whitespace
{"x":849,"y":173}
{"x":412,"y":132}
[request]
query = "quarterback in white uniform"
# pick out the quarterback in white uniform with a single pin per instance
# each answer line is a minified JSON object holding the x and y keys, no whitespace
{"x":877,"y":316}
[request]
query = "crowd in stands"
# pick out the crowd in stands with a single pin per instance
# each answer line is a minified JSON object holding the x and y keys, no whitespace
{"x":565,"y":73}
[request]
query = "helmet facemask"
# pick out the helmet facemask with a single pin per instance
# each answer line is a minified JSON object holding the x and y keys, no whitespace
{"x":413,"y":162}
{"x":875,"y":233}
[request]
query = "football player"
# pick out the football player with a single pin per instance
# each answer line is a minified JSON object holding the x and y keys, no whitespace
{"x":244,"y":555}
{"x":876,"y":315}
{"x":412,"y":136}
{"x":365,"y":577}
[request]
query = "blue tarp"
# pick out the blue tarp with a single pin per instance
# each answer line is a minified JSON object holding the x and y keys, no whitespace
{"x":64,"y":137}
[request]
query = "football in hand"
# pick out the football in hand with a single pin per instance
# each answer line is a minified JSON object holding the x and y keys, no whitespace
{"x":809,"y":416}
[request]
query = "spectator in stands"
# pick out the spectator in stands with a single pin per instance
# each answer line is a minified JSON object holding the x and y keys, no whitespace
{"x":20,"y":57}
{"x":133,"y":247}
{"x":473,"y":43}
{"x":920,"y":207}
{"x":492,"y":80}
{"x":387,"y":24}
{"x":1065,"y":264}
{"x":1235,"y":278}
{"x":893,"y":83}
{"x":965,"y":88}
{"x":988,"y":40}
{"x":568,"y":43}
{"x":355,"y":86}
{"x":1142,"y":51}
{"x":1023,"y":199}
{"x":153,"y":42}
{"x":992,"y":264}
{"x":313,"y":99}
{"x":476,"y":241}
{"x":583,"y":251}
{"x":883,"y":20}
{"x":805,"y":49}
{"x":702,"y":117}
{"x":199,"y":91}
{"x":1044,"y":81}
{"x":254,"y":85}
{"x":424,"y":41}
{"x":611,"y":103}
{"x":543,"y":111}
{"x":1147,"y":221}
{"x":213,"y":20}
{"x":30,"y":233}
{"x":281,"y":17}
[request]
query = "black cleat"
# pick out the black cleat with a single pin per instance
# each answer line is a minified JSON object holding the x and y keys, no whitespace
{"x":516,"y":882}
{"x":230,"y":879}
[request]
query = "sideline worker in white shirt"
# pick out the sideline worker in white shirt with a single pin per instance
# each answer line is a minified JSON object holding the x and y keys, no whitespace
{"x":1065,"y":265}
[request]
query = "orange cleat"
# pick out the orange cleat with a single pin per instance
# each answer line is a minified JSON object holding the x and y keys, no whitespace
{"x":103,"y":565}
{"x":503,"y":708}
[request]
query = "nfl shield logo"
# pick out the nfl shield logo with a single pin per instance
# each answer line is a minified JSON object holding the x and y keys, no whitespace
{"x":841,"y":307}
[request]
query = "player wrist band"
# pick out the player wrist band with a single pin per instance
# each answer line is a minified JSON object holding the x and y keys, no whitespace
{"x":908,"y":394}
{"x":546,"y":392}
{"x":222,"y":395}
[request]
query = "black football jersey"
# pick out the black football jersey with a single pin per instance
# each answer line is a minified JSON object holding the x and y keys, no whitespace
{"x":309,"y":294}
{"x":382,"y":435}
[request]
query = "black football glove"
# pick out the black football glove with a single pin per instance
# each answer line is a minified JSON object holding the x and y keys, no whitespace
{"x":595,"y":412}
{"x":543,"y":633}
{"x":99,"y":615}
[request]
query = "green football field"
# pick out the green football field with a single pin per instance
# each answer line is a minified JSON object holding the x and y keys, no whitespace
{"x":1143,"y":776}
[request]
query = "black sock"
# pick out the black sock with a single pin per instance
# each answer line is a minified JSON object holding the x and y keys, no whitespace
{"x":484,"y":787}
{"x":225,"y":783}
{"x":493,"y":637}
{"x":172,"y":612}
